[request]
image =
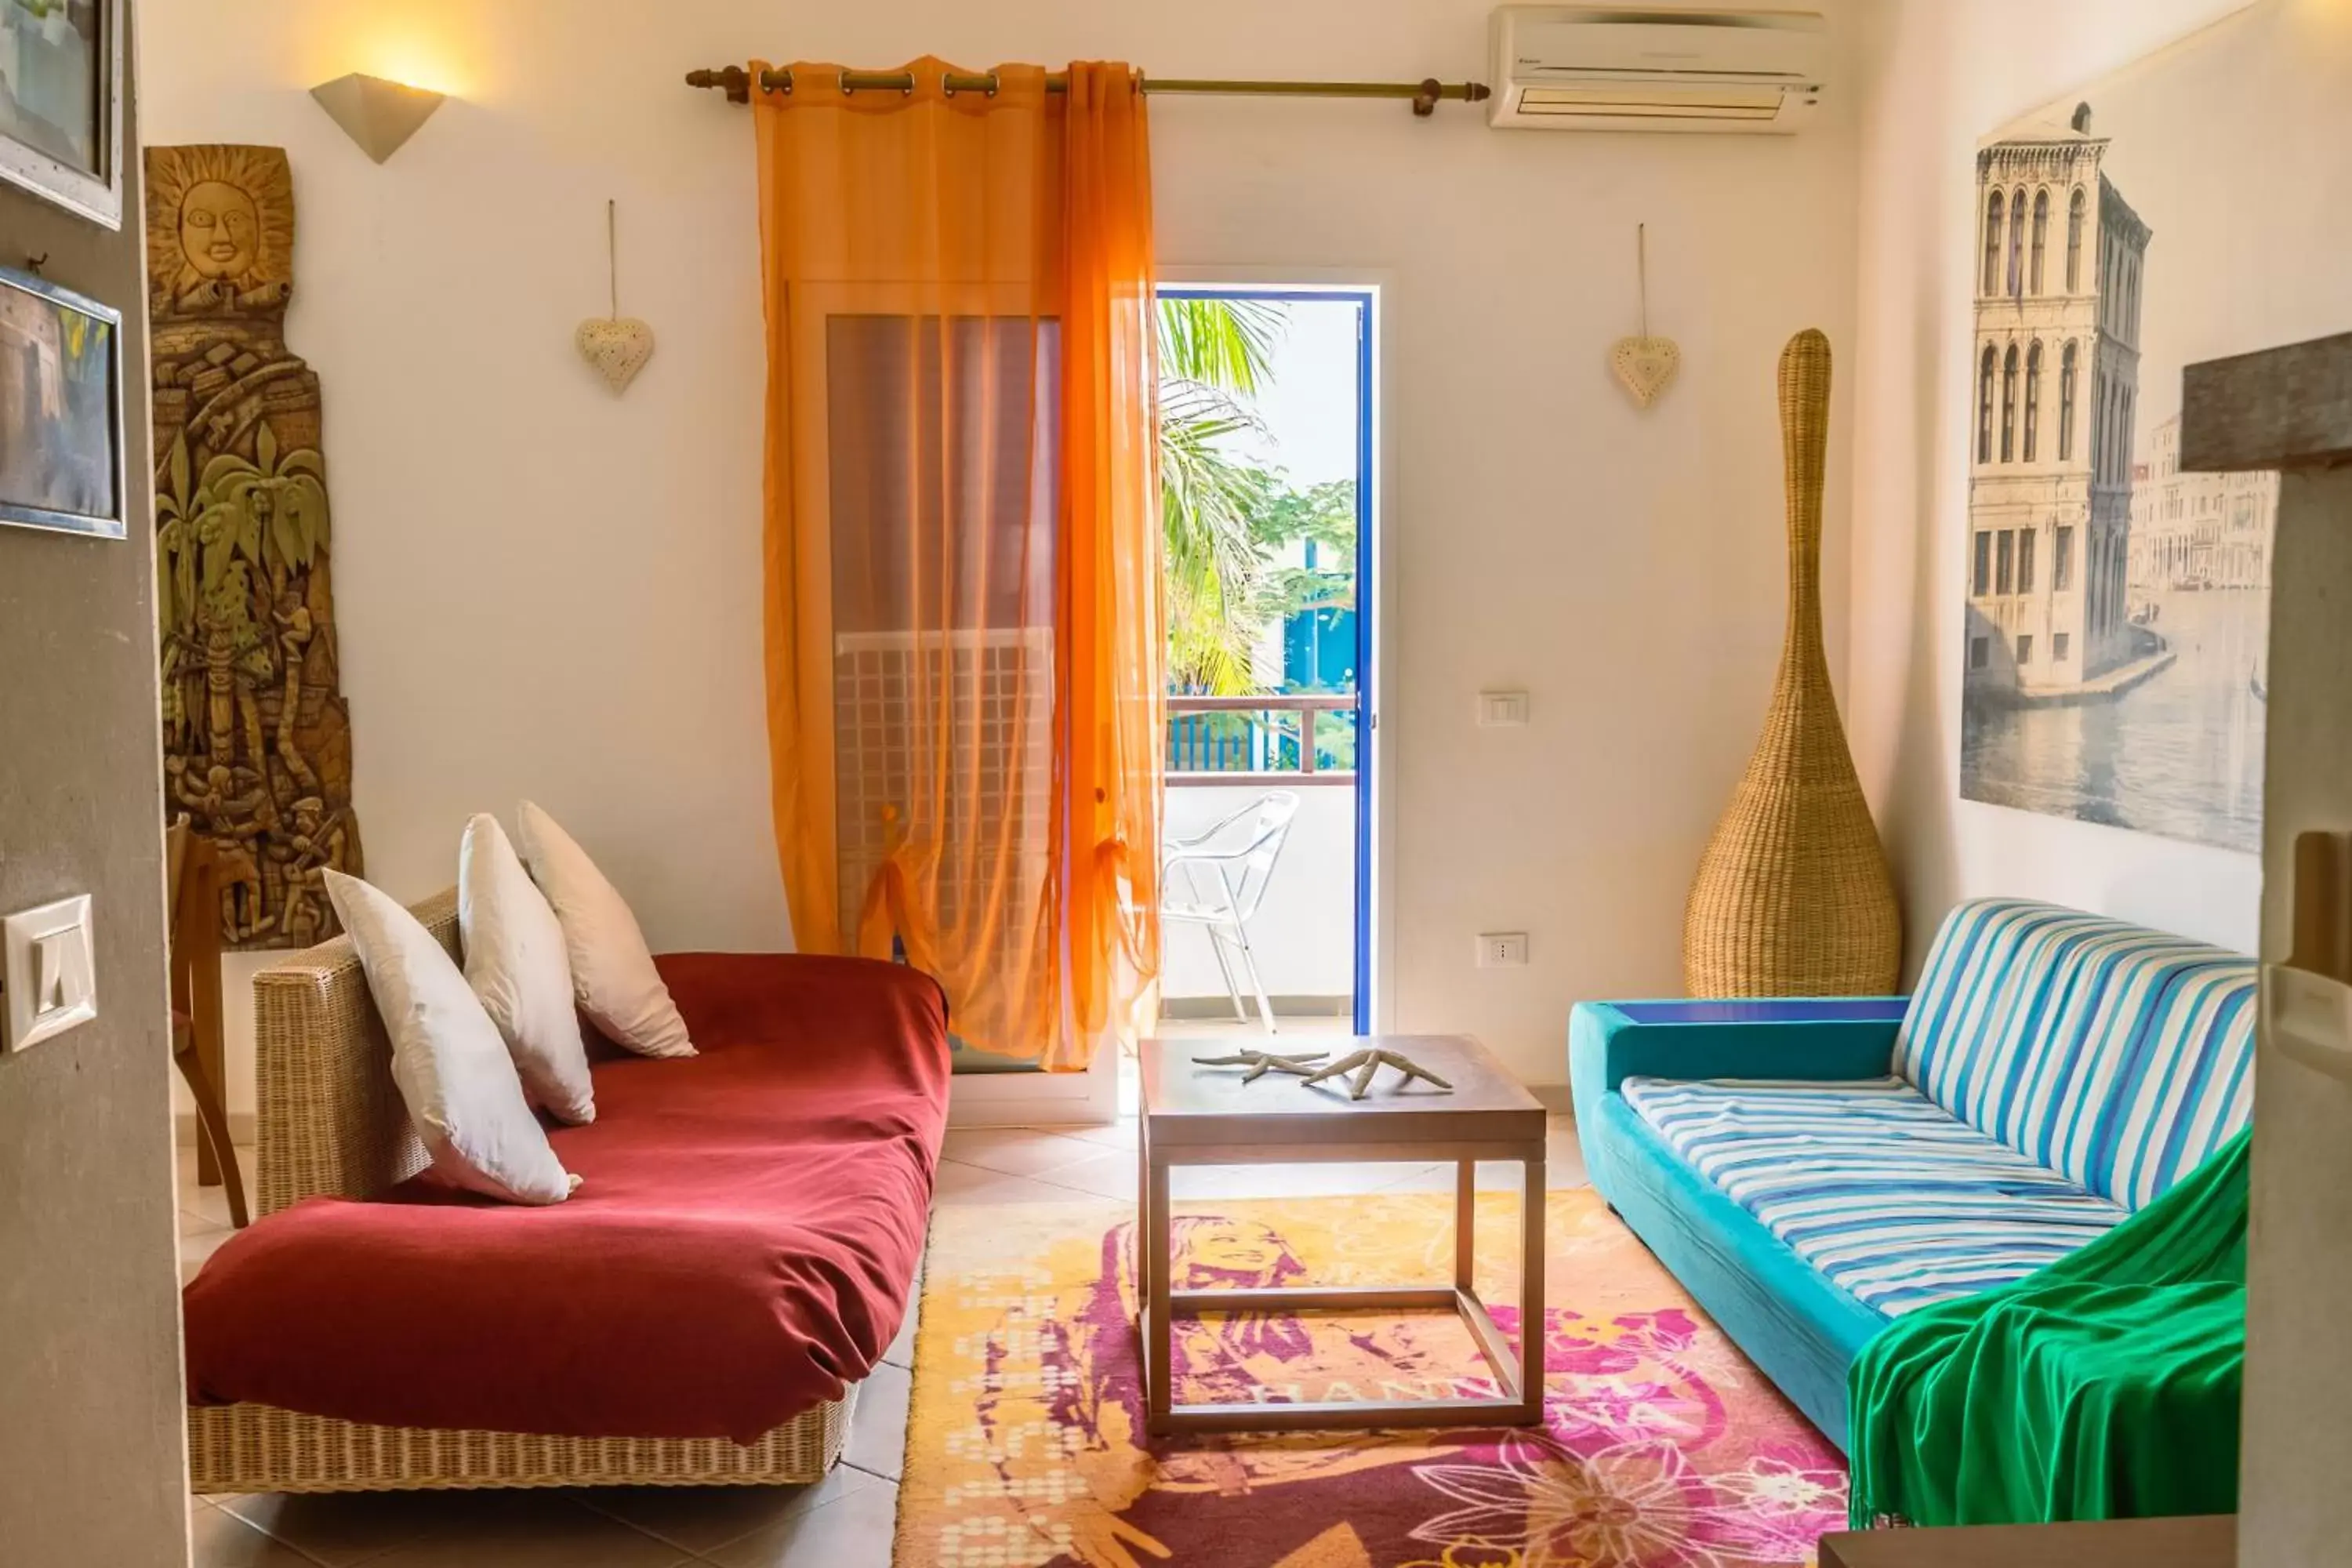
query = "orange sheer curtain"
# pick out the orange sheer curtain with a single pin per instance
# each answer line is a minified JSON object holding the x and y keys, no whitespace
{"x":959,"y":431}
{"x":1112,"y":671}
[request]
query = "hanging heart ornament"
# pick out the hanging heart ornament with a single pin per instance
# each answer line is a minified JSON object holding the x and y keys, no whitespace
{"x":617,"y":346}
{"x":1647,"y":366}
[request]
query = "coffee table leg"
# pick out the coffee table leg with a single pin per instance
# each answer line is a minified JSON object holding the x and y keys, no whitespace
{"x":1140,"y":1236}
{"x":1160,"y":1353}
{"x":1465,"y":1221}
{"x":1531,"y":1286}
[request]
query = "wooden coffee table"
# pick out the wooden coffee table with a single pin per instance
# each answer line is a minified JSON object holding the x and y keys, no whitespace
{"x":1207,"y":1116}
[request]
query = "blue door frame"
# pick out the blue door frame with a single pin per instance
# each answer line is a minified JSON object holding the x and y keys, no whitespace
{"x":1367,"y":471}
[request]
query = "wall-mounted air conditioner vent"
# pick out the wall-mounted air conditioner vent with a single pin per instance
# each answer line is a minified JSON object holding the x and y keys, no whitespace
{"x":1609,"y":67}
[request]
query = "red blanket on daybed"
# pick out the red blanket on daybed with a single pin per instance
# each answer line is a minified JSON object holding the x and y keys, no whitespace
{"x":741,"y":1246}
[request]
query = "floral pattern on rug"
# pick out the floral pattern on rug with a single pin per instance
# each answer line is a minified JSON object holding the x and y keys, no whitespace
{"x":1661,"y":1447}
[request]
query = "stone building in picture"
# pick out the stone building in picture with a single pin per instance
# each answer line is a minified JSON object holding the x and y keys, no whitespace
{"x":2059,"y":263}
{"x":2198,"y":531}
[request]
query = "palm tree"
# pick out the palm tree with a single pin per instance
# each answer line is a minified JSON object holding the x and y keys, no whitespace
{"x":1222,"y":342}
{"x":1214,"y":354}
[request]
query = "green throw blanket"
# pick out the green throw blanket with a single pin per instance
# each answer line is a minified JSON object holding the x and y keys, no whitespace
{"x":2105,"y":1386}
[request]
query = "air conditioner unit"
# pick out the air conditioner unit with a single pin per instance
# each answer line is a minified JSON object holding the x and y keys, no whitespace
{"x":1612,"y":68}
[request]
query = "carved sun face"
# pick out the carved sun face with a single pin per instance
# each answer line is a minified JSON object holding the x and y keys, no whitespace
{"x":219,"y":229}
{"x":218,"y":216}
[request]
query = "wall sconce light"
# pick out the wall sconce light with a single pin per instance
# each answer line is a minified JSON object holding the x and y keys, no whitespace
{"x":378,"y":115}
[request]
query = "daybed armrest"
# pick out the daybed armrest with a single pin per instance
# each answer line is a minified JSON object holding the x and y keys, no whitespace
{"x":1825,"y":1038}
{"x":331,"y":1120}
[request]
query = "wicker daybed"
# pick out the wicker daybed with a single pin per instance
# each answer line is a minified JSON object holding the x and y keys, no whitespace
{"x":332,"y":1123}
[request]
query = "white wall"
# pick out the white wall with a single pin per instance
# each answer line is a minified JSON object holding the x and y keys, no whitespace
{"x":1940,"y":76}
{"x":546,"y":591}
{"x":1943,"y":75}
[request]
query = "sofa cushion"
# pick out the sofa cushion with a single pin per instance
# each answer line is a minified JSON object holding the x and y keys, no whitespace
{"x":613,"y":977}
{"x":2117,"y":1055}
{"x":1873,"y":1184}
{"x":515,"y":962}
{"x":447,"y":1059}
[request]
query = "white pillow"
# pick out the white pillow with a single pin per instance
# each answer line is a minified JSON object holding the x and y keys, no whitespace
{"x":515,"y":962}
{"x":613,"y":973}
{"x":463,"y":1094}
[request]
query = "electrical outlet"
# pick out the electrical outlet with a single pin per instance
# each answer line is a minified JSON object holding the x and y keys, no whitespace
{"x":1502,"y":949}
{"x":1502,"y":710}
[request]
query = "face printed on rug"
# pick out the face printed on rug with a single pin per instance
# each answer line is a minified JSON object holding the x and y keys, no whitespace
{"x":1213,"y":1252}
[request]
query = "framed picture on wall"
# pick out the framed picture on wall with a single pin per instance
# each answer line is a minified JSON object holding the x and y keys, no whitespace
{"x":61,"y":103}
{"x":60,"y":408}
{"x":2116,"y":669}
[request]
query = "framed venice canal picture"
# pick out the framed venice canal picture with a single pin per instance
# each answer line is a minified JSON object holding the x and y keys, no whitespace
{"x":2118,"y":608}
{"x":61,"y":448}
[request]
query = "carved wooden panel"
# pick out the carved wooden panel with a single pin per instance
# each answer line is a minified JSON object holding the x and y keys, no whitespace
{"x":257,"y":737}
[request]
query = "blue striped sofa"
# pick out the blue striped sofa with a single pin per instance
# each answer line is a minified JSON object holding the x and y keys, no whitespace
{"x":1811,"y":1170}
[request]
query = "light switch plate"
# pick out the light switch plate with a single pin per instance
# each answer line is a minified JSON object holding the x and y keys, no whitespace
{"x":49,"y":982}
{"x":1502,"y":709}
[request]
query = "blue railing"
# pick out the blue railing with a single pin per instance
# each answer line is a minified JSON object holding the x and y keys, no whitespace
{"x":1258,"y":739}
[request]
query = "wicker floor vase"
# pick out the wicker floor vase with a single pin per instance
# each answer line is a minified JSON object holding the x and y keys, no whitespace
{"x":1793,"y":898}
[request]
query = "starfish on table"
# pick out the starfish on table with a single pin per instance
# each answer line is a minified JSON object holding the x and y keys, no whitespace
{"x":1365,"y":1063}
{"x":1261,"y":1063}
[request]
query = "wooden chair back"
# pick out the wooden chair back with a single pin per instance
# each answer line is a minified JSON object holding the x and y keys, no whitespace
{"x":195,"y":893}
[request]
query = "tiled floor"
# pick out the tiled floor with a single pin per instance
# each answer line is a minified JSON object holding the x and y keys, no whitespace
{"x":846,"y":1520}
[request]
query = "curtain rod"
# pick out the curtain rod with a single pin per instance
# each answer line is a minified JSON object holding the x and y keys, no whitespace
{"x":1425,"y":96}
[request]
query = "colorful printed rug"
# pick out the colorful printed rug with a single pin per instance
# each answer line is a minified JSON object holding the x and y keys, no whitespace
{"x":1661,"y":1448}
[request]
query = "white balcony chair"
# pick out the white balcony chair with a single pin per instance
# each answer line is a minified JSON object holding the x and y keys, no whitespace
{"x":1217,"y":878}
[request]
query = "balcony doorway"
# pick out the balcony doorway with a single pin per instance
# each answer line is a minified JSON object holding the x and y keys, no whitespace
{"x":1266,"y":454}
